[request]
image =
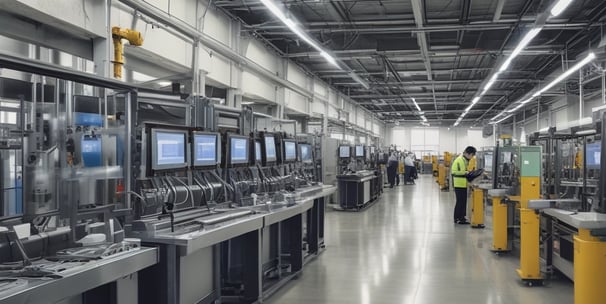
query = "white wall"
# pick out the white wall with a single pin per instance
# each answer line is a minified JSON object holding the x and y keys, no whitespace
{"x":170,"y":51}
{"x":441,"y":139}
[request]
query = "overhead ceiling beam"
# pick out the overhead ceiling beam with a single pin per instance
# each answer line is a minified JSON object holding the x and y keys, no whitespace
{"x":418,"y":12}
{"x":428,"y":94}
{"x":280,"y":30}
{"x":498,"y":11}
{"x":439,"y":82}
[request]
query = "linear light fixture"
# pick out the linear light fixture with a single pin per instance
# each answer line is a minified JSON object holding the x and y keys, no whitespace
{"x":521,"y":45}
{"x":590,"y":57}
{"x":475,"y":100}
{"x":503,"y":119}
{"x":416,"y":104}
{"x":274,"y":9}
{"x":559,"y":7}
{"x":490,"y":83}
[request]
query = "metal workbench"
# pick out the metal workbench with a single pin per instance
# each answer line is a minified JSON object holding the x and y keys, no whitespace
{"x":78,"y":280}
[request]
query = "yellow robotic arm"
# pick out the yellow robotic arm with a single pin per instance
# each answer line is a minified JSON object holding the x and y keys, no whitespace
{"x":133,"y":37}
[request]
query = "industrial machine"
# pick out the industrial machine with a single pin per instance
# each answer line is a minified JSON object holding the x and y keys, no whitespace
{"x":517,"y":179}
{"x":484,"y":160}
{"x":572,"y":213}
{"x":65,"y":180}
{"x":358,"y":188}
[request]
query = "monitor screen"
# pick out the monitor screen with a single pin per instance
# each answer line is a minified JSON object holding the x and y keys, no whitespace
{"x":372,"y":150}
{"x":593,"y":154}
{"x":168,"y":149}
{"x":488,"y":162}
{"x":270,"y":148}
{"x":344,"y":151}
{"x":238,"y":150}
{"x":290,"y":150}
{"x":359,"y":151}
{"x":258,"y":151}
{"x":205,"y":149}
{"x":305,"y":152}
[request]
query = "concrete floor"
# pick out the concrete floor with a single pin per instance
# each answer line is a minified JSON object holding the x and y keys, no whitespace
{"x":406,"y":249}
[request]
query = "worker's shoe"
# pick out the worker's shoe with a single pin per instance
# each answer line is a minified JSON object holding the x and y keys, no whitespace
{"x":463,"y":221}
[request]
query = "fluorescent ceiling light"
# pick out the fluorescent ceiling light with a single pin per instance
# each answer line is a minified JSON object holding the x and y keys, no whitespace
{"x":416,"y":104}
{"x":569,"y":72}
{"x":523,"y":43}
{"x":330,"y":59}
{"x":164,"y":83}
{"x":475,"y":100}
{"x":468,"y":108}
{"x":504,"y":118}
{"x":559,"y":7}
{"x":516,"y":108}
{"x":490,"y":82}
{"x":247,"y":102}
{"x":274,"y":9}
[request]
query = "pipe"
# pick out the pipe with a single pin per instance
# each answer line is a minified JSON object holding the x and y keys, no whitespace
{"x":133,"y":37}
{"x":189,"y":31}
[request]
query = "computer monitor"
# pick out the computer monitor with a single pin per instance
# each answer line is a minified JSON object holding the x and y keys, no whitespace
{"x":290,"y":150}
{"x":593,"y":154}
{"x":206,"y":149}
{"x":305,"y":152}
{"x":257,"y":151}
{"x":168,"y":149}
{"x":359,"y":151}
{"x":238,"y":150}
{"x":488,"y":162}
{"x":344,"y":152}
{"x":270,"y":148}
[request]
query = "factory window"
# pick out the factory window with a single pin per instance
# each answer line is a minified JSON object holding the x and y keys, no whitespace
{"x":7,"y":117}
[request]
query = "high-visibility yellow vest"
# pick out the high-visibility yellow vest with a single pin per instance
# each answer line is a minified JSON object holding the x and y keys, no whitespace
{"x":458,"y":171}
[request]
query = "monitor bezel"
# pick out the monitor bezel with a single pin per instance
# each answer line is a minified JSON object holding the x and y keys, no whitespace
{"x":228,"y":152}
{"x":311,"y":160}
{"x":289,"y":160}
{"x":154,"y":147}
{"x":339,"y":152}
{"x":264,"y":157}
{"x":197,"y":164}
{"x":597,"y":143}
{"x":356,"y":151}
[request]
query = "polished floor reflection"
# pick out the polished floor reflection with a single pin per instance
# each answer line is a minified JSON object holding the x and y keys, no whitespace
{"x":405,"y":249}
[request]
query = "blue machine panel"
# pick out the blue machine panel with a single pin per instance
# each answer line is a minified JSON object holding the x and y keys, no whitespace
{"x":91,"y":151}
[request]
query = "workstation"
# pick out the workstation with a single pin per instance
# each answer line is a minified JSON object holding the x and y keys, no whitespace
{"x":191,"y":151}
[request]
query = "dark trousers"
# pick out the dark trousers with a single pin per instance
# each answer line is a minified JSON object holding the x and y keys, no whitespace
{"x":391,"y":175}
{"x":461,"y":205}
{"x":409,"y":174}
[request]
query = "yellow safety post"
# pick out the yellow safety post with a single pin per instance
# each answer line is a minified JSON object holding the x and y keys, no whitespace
{"x":477,"y":208}
{"x":589,"y":268}
{"x":442,"y":177}
{"x":499,"y":223}
{"x":133,"y":37}
{"x":530,"y":264}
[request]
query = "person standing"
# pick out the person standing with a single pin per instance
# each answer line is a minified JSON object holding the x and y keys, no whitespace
{"x":409,"y":169}
{"x":392,"y":169}
{"x":459,"y":177}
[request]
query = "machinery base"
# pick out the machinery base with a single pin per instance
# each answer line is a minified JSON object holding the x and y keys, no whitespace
{"x":529,"y":281}
{"x":500,"y":251}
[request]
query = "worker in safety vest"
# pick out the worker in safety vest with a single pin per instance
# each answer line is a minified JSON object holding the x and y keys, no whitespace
{"x":459,"y":177}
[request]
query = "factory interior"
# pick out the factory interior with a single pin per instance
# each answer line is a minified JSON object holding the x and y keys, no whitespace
{"x":302,"y":151}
